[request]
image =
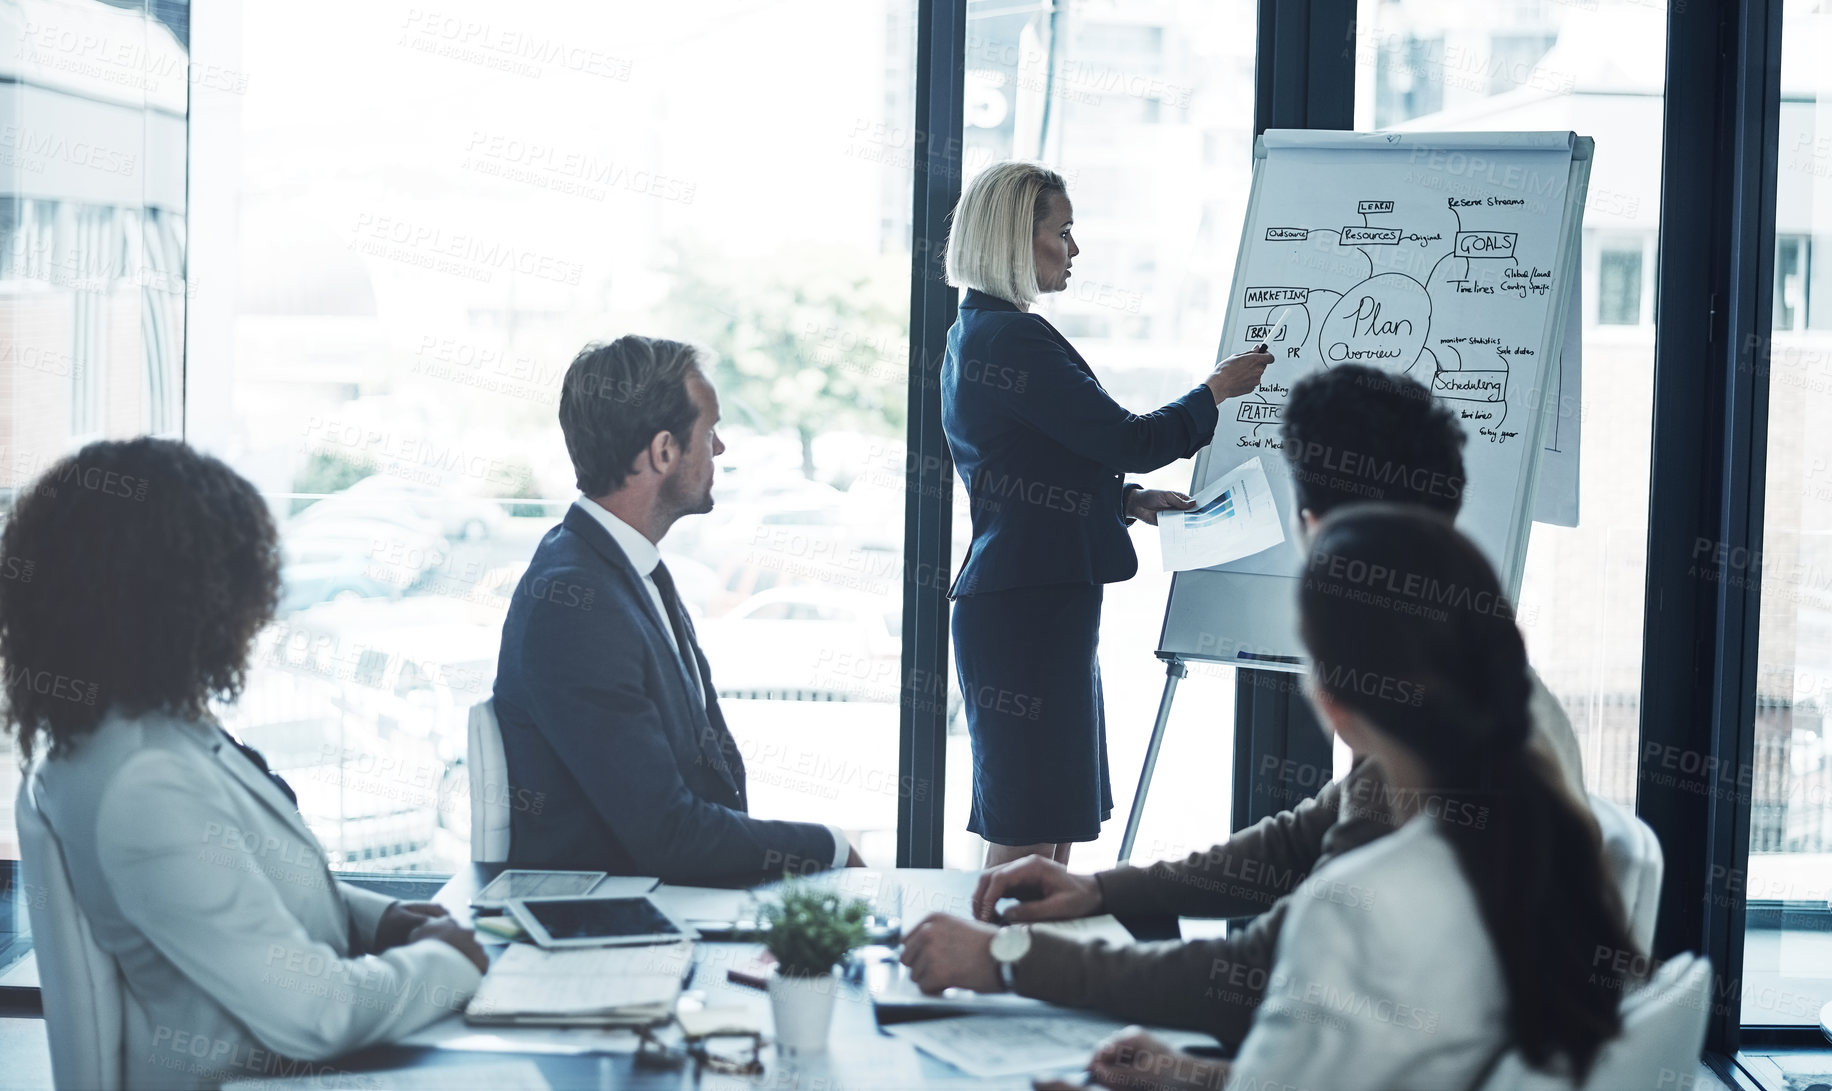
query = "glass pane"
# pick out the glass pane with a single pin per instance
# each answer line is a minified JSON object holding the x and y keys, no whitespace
{"x":1619,"y":287}
{"x":421,"y":245}
{"x":1147,"y":111}
{"x":1787,"y":952}
{"x":1597,"y":69}
{"x":1790,"y":281}
{"x":93,"y":285}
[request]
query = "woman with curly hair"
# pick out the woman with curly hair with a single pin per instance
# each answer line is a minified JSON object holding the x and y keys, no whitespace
{"x":133,"y":578}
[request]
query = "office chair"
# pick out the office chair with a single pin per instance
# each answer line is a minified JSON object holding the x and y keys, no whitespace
{"x":489,"y":771}
{"x":1663,"y":1029}
{"x":1636,"y":861}
{"x":78,"y":981}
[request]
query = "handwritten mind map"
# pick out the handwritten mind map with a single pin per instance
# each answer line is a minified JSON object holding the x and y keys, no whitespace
{"x":1419,"y":287}
{"x":1448,"y":257}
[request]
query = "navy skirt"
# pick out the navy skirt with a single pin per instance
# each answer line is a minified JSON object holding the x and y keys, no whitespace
{"x":1030,"y":678}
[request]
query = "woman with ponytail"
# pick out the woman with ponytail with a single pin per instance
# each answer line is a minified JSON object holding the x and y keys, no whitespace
{"x":1416,"y":961}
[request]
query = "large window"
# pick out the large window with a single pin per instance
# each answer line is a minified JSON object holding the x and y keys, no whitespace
{"x":432,"y":209}
{"x":93,"y":285}
{"x":1596,"y":69}
{"x":1787,"y":950}
{"x":1147,"y":111}
{"x":352,"y":247}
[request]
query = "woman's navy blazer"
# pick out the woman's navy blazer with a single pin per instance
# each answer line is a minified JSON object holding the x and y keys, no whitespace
{"x":1043,"y":451}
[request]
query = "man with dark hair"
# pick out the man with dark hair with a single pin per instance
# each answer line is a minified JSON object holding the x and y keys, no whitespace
{"x":618,"y":754}
{"x":1352,"y":434}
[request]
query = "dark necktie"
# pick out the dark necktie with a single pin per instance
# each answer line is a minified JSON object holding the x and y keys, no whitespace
{"x":723,"y":743}
{"x":677,"y":620}
{"x":260,"y":763}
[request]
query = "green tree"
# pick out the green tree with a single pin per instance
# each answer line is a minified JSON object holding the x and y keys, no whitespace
{"x":516,"y":482}
{"x":327,"y":472}
{"x":811,"y":339}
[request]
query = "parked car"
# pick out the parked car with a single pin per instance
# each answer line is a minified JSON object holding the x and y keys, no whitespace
{"x":328,"y":570}
{"x":367,"y":795}
{"x":807,"y":643}
{"x":459,"y":516}
{"x":326,"y":560}
{"x":344,"y":507}
{"x":830,"y":539}
{"x":415,"y":666}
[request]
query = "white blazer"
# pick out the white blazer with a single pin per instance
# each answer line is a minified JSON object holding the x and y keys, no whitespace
{"x":241,"y":955}
{"x":1385,"y":977}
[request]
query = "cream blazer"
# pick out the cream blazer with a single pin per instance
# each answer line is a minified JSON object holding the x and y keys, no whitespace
{"x":240,"y":954}
{"x":1385,"y":977}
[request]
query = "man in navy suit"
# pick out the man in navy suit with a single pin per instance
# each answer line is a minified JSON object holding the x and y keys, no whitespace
{"x":610,"y":722}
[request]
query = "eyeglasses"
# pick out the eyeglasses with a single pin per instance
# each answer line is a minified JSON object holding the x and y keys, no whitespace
{"x":726,"y":1054}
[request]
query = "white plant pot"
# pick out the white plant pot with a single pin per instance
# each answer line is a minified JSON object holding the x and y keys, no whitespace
{"x":803,"y":1009}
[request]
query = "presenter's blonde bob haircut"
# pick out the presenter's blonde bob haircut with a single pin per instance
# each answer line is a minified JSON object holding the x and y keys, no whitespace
{"x":989,"y":242}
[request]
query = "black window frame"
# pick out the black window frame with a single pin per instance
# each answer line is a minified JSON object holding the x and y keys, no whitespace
{"x":1713,"y":316}
{"x":1713,"y":313}
{"x":1713,"y":307}
{"x":941,"y":59}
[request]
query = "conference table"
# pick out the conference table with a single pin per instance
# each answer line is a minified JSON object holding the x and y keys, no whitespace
{"x":859,"y":1056}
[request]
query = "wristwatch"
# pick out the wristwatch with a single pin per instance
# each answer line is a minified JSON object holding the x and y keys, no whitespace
{"x":1009,"y":944}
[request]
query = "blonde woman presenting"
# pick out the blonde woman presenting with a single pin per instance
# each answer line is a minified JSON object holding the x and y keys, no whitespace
{"x":1043,"y":451}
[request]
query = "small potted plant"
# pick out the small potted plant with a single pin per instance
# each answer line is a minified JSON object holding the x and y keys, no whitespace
{"x":808,"y":930}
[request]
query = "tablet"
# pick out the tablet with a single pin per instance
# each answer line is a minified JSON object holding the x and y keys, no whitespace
{"x":520,"y":883}
{"x":597,"y":922}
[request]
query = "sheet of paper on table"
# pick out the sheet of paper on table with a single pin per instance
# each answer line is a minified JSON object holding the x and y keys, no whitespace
{"x":703,"y":903}
{"x":986,"y":1046}
{"x":485,"y":1076}
{"x":882,"y":890}
{"x":727,"y":1019}
{"x":581,"y":985}
{"x":895,"y":997}
{"x":1235,"y":516}
{"x":454,"y":1033}
{"x":1088,"y":929}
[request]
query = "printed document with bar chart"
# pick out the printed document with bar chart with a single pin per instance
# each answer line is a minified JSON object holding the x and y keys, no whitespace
{"x":1234,"y":517}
